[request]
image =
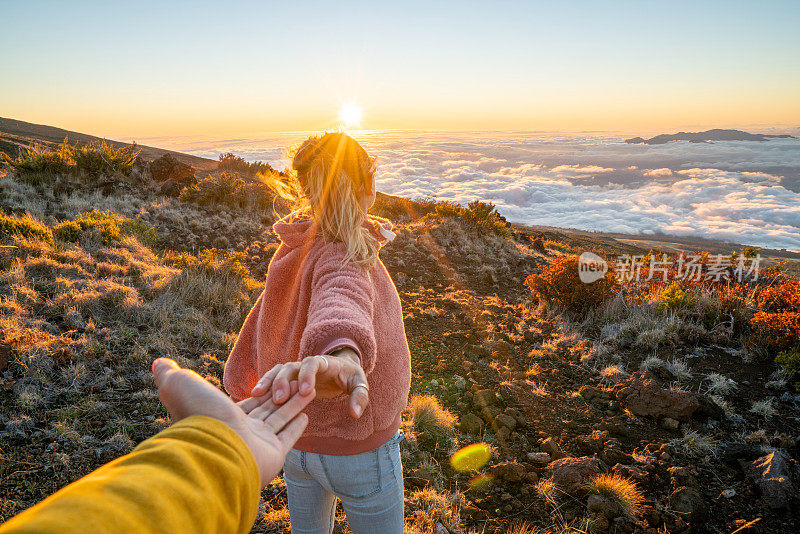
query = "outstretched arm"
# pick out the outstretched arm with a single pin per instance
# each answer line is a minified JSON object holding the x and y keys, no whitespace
{"x":340,"y":326}
{"x":204,"y":473}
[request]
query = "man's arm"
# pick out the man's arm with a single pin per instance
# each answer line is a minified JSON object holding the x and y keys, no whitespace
{"x":195,"y":476}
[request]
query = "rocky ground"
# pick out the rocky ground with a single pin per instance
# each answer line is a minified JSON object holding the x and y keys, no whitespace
{"x":703,"y":423}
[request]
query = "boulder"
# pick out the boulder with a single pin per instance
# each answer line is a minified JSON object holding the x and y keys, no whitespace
{"x":776,"y":475}
{"x":571,"y":473}
{"x":643,"y":395}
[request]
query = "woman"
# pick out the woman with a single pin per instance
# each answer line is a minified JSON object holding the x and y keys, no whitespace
{"x":329,"y":320}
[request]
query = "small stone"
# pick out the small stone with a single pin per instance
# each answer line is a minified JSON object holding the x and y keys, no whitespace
{"x":550,"y":446}
{"x":729,"y":493}
{"x":541,"y":458}
{"x":669,"y":423}
{"x":484,"y":397}
{"x":471,"y":423}
{"x":508,"y":471}
{"x":630,"y":471}
{"x":689,"y":501}
{"x":504,"y":420}
{"x":614,"y":455}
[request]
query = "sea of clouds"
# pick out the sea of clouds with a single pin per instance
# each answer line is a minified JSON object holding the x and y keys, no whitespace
{"x":738,"y":191}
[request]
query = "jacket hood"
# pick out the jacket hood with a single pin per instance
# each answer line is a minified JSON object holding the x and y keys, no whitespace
{"x":295,"y":229}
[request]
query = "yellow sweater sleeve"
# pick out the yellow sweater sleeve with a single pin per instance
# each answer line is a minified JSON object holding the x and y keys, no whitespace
{"x":195,"y":476}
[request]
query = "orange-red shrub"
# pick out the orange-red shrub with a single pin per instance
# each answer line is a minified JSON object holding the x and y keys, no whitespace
{"x":777,"y":320}
{"x":558,"y":283}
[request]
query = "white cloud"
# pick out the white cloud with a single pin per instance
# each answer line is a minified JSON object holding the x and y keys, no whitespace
{"x":727,"y":190}
{"x":587,"y":169}
{"x":658,"y":172}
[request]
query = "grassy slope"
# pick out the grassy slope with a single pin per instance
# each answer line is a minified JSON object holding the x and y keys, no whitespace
{"x":82,"y":320}
{"x":15,"y":133}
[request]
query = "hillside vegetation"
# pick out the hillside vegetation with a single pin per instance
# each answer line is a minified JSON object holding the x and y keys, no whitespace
{"x":634,"y":407}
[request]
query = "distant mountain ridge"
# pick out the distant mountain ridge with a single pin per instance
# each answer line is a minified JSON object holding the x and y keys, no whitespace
{"x":16,"y":134}
{"x":716,"y":134}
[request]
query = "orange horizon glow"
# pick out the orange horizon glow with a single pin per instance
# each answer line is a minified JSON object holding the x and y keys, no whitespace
{"x":580,"y":66}
{"x":136,"y":127}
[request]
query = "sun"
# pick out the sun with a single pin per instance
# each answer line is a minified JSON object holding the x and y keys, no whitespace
{"x":351,"y":114}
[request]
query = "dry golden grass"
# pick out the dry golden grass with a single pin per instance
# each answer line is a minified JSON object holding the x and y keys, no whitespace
{"x":520,"y":527}
{"x":621,"y":490}
{"x":426,"y":507}
{"x":427,"y":414}
{"x":546,"y":490}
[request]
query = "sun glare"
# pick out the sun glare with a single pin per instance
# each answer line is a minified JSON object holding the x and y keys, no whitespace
{"x":351,"y":114}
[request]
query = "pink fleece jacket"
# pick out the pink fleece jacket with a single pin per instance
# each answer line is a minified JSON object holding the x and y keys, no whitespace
{"x":312,"y":304}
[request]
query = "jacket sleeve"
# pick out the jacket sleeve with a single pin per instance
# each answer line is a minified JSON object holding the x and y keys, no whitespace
{"x":241,"y":374}
{"x":195,"y":476}
{"x":341,"y":309}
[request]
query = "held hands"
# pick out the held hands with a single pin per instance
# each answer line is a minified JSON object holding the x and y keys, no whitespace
{"x":268,"y":430}
{"x":328,"y":376}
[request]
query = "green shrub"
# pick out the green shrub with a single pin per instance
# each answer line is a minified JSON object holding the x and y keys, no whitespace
{"x":401,"y":209}
{"x":168,"y":169}
{"x":478,"y":214}
{"x":230,"y":190}
{"x":98,"y":157}
{"x":235,"y":164}
{"x":95,"y":158}
{"x":42,"y":160}
{"x":25,"y":226}
{"x":68,"y":231}
{"x":146,"y":233}
{"x":790,"y":361}
{"x":673,"y":297}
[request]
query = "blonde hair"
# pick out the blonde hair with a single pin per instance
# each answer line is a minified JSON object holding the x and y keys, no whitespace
{"x":329,"y":171}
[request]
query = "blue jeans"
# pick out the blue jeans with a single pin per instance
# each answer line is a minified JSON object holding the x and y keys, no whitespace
{"x":370,"y":486}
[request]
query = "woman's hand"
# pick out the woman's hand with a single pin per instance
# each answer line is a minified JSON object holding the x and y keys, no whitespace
{"x":268,"y":430}
{"x":328,"y":375}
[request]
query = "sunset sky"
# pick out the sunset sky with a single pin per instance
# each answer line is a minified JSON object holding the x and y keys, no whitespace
{"x":243,"y":68}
